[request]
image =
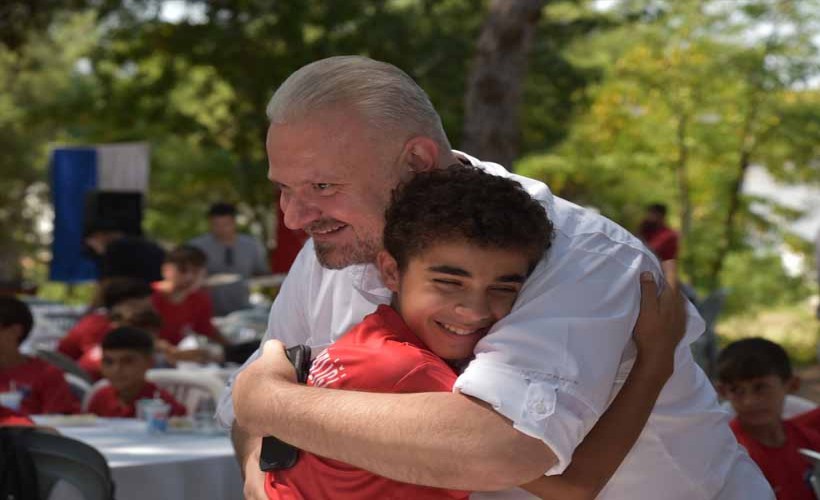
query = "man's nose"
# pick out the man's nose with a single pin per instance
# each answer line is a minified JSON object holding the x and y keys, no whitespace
{"x":298,"y":213}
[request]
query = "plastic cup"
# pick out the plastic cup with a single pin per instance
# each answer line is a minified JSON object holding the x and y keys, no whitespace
{"x":140,"y":407}
{"x":156,"y":415}
{"x":11,"y":400}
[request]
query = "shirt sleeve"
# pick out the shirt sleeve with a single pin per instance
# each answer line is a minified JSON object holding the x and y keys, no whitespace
{"x":550,"y":365}
{"x":287,"y":322}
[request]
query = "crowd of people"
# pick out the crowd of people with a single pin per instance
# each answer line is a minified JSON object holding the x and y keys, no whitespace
{"x":472,"y":331}
{"x":147,"y":301}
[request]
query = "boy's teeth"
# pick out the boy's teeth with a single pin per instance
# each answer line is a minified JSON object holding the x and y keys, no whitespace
{"x":457,"y":331}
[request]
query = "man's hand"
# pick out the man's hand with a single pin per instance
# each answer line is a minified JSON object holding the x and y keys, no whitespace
{"x":247,"y":450}
{"x":259,"y":379}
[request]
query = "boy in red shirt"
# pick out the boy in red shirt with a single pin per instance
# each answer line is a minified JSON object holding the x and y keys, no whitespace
{"x":127,"y":356}
{"x":179,"y":299}
{"x":456,"y":262}
{"x":82,"y":343}
{"x":43,"y":386}
{"x":755,"y":375}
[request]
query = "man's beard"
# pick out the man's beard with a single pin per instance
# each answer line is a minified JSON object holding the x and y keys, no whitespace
{"x":339,"y":256}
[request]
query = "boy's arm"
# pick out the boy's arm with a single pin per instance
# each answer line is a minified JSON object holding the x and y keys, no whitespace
{"x":659,"y":329}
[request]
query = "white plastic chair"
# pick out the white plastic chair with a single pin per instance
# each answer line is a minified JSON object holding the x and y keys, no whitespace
{"x":191,"y":389}
{"x":79,"y":387}
{"x":100,"y":384}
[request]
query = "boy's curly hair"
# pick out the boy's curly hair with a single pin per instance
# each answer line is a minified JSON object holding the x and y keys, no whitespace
{"x":464,"y":203}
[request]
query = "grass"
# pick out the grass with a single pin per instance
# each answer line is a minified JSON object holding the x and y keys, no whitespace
{"x":794,"y":327}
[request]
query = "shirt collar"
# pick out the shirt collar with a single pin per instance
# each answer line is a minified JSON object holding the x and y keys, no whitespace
{"x":366,"y":280}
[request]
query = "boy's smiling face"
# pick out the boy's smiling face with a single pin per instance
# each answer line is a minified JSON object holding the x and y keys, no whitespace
{"x":452,"y":293}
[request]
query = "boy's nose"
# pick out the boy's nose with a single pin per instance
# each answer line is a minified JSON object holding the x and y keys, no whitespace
{"x":475,"y":311}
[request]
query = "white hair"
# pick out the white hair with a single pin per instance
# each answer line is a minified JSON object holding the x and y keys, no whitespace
{"x":383,"y":95}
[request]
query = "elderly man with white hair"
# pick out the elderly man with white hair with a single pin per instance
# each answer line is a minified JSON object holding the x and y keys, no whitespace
{"x":343,"y":133}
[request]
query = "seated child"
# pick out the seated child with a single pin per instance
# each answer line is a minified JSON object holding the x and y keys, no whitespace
{"x":82,"y":343}
{"x":459,"y":245}
{"x":43,"y":386}
{"x":180,"y":301}
{"x":127,"y":356}
{"x":146,"y":318}
{"x":755,"y":375}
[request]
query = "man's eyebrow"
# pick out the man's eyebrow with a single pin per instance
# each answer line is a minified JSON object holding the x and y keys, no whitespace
{"x":512,"y":278}
{"x":445,"y":269}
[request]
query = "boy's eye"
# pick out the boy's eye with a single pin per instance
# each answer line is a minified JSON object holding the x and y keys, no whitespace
{"x":504,"y":289}
{"x":446,"y":283}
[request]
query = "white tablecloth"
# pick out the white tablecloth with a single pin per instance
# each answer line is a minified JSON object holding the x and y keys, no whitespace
{"x":169,"y":466}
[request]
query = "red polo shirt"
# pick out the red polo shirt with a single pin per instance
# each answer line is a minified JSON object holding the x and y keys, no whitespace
{"x":380,"y":354}
{"x":194,"y":312}
{"x":784,"y":467}
{"x":44,"y":387}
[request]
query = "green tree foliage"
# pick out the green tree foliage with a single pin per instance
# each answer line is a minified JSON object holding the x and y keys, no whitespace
{"x":691,"y":96}
{"x":41,"y":89}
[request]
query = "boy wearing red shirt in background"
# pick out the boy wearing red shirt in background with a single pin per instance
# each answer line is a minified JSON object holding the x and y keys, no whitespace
{"x":755,"y":375}
{"x":459,"y":245}
{"x":43,"y":386}
{"x":127,"y":356}
{"x":82,"y":343}
{"x":180,"y":301}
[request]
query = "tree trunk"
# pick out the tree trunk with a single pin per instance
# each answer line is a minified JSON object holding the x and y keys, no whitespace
{"x":747,"y":146}
{"x":682,"y":175}
{"x":491,"y":118}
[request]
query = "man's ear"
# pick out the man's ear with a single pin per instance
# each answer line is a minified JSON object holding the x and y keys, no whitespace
{"x":793,"y":384}
{"x":722,"y":390}
{"x":388,"y":270}
{"x":421,"y":154}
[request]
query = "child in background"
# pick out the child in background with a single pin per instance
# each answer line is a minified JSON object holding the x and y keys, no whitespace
{"x":127,"y":356}
{"x":82,"y":343}
{"x":180,"y":301}
{"x":459,"y":245}
{"x":755,"y":375}
{"x":42,"y":385}
{"x":146,"y":318}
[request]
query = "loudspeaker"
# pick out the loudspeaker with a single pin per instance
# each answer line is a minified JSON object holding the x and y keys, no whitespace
{"x":113,"y":210}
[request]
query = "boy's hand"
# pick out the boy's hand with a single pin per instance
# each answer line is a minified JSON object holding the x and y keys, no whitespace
{"x":662,"y":321}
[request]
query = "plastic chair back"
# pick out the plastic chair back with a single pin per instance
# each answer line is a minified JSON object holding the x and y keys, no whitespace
{"x":61,"y":458}
{"x":191,"y":389}
{"x":64,"y":363}
{"x":79,"y":387}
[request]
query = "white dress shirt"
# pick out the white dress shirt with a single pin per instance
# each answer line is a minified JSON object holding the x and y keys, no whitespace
{"x":556,"y":361}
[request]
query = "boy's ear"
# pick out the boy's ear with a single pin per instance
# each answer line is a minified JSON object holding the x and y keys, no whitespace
{"x":388,"y":270}
{"x":793,"y":384}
